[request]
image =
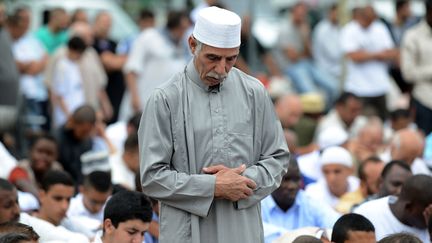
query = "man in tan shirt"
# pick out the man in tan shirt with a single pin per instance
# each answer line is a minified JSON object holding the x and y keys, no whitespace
{"x":417,"y":67}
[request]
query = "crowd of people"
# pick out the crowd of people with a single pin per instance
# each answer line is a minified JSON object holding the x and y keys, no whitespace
{"x":351,"y":98}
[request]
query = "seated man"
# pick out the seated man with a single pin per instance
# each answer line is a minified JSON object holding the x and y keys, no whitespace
{"x":74,"y":139}
{"x":393,"y":176}
{"x":353,"y":228}
{"x":10,"y":213}
{"x":289,"y":208}
{"x":125,"y":165}
{"x":87,"y":206}
{"x":404,"y":213}
{"x":27,"y":176}
{"x":369,"y":172}
{"x":56,"y":193}
{"x":336,"y":165}
{"x":127,"y":216}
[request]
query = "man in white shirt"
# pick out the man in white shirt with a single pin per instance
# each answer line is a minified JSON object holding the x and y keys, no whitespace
{"x":31,"y":58}
{"x":416,"y":65}
{"x":125,"y":165}
{"x":127,"y":216}
{"x":406,"y":213}
{"x":368,"y":46}
{"x":10,"y":212}
{"x":346,"y":114}
{"x":156,"y":55}
{"x":57,"y":190}
{"x":87,"y":207}
{"x":336,"y":165}
{"x":327,"y":53}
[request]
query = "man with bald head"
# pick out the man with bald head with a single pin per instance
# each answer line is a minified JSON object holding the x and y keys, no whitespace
{"x":369,"y":140}
{"x":407,"y":145}
{"x":289,"y":109}
{"x":404,"y":213}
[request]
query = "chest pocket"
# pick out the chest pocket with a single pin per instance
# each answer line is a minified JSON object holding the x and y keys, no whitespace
{"x":240,"y":137}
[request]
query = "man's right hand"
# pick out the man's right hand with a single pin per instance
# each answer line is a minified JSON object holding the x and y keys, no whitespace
{"x":231,"y":185}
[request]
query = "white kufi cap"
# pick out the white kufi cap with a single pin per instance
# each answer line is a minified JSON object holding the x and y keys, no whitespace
{"x":332,"y":136}
{"x":218,"y":27}
{"x":336,"y":155}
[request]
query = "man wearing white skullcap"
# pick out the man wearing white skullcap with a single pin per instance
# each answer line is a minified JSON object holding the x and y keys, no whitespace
{"x":211,"y":146}
{"x":336,"y":166}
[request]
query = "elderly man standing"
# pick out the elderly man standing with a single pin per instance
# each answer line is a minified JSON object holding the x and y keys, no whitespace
{"x":211,"y":146}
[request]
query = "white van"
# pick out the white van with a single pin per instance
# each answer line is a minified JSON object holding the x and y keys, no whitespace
{"x":122,"y":25}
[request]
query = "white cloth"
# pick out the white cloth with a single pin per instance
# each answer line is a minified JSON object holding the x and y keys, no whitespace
{"x":320,"y":191}
{"x":7,"y":162}
{"x":336,"y":155}
{"x":98,"y":237}
{"x":68,"y":84}
{"x":332,"y":119}
{"x":326,"y":48}
{"x":370,"y":78}
{"x":332,"y":136}
{"x":28,"y":49}
{"x":117,"y":134}
{"x":154,"y":58}
{"x":27,"y":202}
{"x":213,"y":20}
{"x":120,"y":173}
{"x":77,"y":209}
{"x":51,"y":234}
{"x":82,"y":226}
{"x":310,"y":165}
{"x":385,"y":223}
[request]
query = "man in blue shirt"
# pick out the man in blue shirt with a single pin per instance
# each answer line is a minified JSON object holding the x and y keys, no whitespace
{"x":289,"y":208}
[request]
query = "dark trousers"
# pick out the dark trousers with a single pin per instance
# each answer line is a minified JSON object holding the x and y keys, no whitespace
{"x":375,"y":106}
{"x":423,"y":117}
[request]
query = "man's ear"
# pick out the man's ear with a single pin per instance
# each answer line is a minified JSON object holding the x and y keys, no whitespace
{"x":192,"y":44}
{"x":42,"y":194}
{"x":108,"y":227}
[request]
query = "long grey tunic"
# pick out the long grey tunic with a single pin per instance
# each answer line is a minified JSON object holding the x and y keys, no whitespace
{"x":185,"y":127}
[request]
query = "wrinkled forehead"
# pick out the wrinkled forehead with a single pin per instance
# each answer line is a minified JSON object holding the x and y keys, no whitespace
{"x":222,"y":52}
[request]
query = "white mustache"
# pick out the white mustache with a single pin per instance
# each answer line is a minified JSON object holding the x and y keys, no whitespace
{"x":214,"y":75}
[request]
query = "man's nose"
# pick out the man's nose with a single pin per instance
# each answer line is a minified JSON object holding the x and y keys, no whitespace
{"x":221,"y":67}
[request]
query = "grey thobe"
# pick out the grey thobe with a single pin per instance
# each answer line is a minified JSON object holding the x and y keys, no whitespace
{"x":185,"y":127}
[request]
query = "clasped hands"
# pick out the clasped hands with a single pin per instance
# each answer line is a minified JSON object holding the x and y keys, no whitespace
{"x":230,"y":184}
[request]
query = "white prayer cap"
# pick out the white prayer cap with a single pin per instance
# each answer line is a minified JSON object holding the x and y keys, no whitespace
{"x":336,"y":155}
{"x":218,"y":27}
{"x":332,"y":136}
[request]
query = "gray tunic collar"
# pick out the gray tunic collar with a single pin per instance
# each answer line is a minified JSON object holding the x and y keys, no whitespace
{"x":193,"y":75}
